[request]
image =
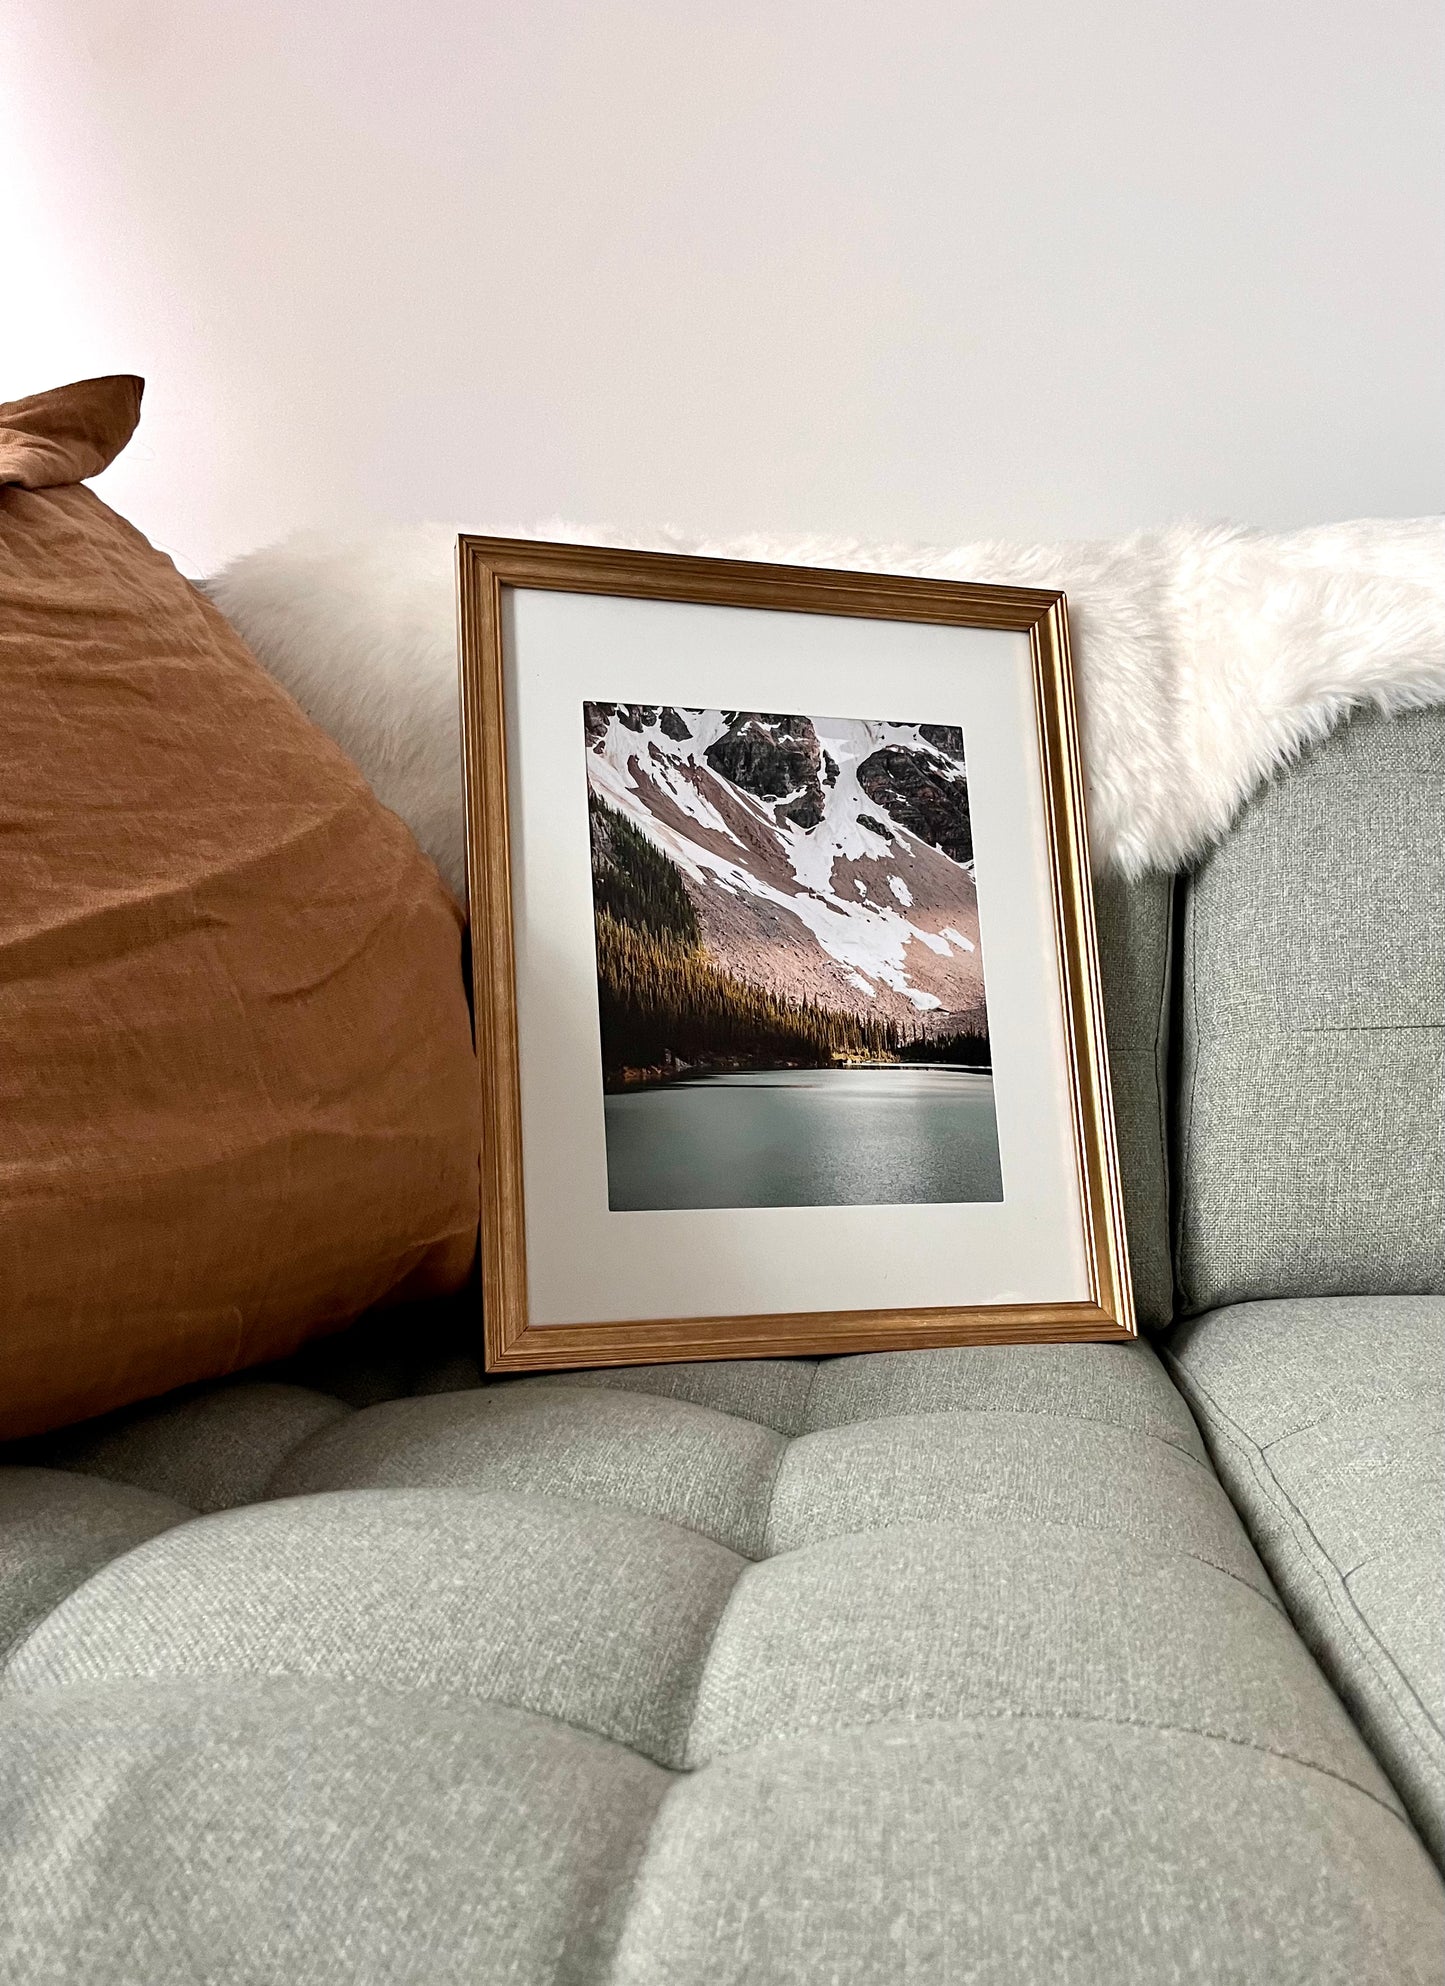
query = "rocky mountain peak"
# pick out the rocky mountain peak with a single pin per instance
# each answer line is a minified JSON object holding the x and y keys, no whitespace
{"x":825,"y":859}
{"x":923,"y":793}
{"x":774,"y":758}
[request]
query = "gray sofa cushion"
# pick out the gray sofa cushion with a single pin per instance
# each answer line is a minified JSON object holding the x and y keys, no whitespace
{"x":1326,"y":1420}
{"x":920,"y":1667}
{"x":1312,"y":1108}
{"x":1135,"y":925}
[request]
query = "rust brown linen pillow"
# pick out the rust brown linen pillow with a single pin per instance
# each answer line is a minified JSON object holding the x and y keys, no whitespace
{"x":237,"y":1094}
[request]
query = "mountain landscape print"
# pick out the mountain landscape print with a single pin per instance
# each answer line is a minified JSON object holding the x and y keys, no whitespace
{"x":790,"y":976}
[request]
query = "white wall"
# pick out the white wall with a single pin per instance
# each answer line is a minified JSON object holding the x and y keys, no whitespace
{"x":923,"y":269}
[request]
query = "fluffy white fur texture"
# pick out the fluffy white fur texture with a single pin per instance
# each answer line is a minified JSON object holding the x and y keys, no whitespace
{"x":1207,"y":656}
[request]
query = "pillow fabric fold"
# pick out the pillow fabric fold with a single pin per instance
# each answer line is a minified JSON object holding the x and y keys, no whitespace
{"x":237,"y":1095}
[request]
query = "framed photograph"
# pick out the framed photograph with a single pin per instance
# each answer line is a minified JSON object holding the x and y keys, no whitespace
{"x":786,"y":996}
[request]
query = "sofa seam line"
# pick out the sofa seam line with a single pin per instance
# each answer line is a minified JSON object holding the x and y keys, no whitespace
{"x":1020,"y":1413}
{"x":1011,"y":1527}
{"x":583,"y":1382}
{"x":1320,"y":1563}
{"x":766,"y":1527}
{"x":681,"y":1772}
{"x":1359,"y":1416}
{"x":1189,"y":1027}
{"x":575,"y":1383}
{"x":798,"y":1434}
{"x":12,"y":1649}
{"x":354,"y":1685}
{"x":1164,"y":1048}
{"x":1227,"y":1031}
{"x":676,"y":1777}
{"x":761,"y":1558}
{"x":343,"y":1419}
{"x":1162,"y":1550}
{"x":1080,"y":1718}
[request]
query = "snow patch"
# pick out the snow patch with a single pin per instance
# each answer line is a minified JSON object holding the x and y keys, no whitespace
{"x":870,"y":942}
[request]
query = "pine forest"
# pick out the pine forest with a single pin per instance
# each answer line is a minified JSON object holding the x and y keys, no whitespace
{"x":667,"y":1006}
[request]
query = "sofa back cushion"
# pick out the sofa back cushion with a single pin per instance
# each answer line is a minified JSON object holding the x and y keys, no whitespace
{"x":1311,"y":1123}
{"x":1135,"y":921}
{"x":237,"y":1095}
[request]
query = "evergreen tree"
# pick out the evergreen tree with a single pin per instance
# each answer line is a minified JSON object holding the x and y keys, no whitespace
{"x":633,"y":881}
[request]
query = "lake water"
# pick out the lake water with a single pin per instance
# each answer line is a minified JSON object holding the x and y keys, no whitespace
{"x":804,"y":1138}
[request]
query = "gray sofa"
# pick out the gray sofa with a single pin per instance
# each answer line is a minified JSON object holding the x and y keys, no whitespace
{"x":1103,"y":1664}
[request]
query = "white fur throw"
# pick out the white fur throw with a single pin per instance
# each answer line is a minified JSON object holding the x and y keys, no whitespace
{"x":1206,"y":656}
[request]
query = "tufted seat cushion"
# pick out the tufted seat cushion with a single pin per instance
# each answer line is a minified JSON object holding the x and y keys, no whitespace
{"x":922,"y":1667}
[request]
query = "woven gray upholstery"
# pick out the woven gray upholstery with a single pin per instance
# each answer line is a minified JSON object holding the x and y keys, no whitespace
{"x":920,"y":1668}
{"x":917,"y":1669}
{"x":1135,"y":923}
{"x":1312,"y":1109}
{"x":1327,"y":1423}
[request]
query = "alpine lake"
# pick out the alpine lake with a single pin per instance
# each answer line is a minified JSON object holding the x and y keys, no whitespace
{"x":863,"y":1135}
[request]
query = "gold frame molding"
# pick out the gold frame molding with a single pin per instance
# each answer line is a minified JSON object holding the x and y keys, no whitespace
{"x":484,"y":567}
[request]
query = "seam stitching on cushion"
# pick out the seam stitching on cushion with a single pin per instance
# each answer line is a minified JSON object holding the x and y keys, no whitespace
{"x":805,"y":1405}
{"x":1353,"y":1621}
{"x":1289,"y":1433}
{"x":544,"y":1497}
{"x":1010,"y":1527}
{"x":9,"y":1654}
{"x":268,"y":1493}
{"x":806,"y":1408}
{"x":1319,"y":1562}
{"x":1260,"y":1024}
{"x":802,"y":1423}
{"x":344,"y":1419}
{"x":502,"y":1401}
{"x":624,"y":1898}
{"x":685,"y":1732}
{"x":627,"y":1903}
{"x":1348,"y":1576}
{"x":1082,"y":1718}
{"x":1024,"y":1413}
{"x":759,"y":1560}
{"x":676,"y":1779}
{"x":585,"y":1501}
{"x":1359,"y":1416}
{"x":584,"y":1382}
{"x":410,"y":1692}
{"x":349,"y":1685}
{"x":762,"y":1555}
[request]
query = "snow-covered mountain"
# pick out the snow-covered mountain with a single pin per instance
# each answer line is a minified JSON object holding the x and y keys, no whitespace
{"x":826,"y":858}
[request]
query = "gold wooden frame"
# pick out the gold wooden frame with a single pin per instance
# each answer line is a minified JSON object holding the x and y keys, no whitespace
{"x":512,"y":1344}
